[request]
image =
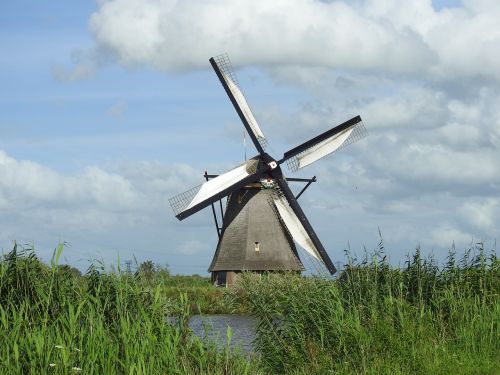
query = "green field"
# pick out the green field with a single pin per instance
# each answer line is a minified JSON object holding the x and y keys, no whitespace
{"x":374,"y":318}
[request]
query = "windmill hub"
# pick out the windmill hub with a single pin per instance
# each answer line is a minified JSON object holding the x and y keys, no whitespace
{"x":267,"y":183}
{"x":262,"y":220}
{"x":272,"y":165}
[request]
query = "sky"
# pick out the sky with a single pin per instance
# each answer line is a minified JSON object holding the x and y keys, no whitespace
{"x":110,"y":107}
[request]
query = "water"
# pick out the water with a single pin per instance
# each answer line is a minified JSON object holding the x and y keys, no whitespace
{"x":214,"y":328}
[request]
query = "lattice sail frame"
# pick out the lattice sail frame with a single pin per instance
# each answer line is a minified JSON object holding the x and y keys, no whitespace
{"x":225,"y":66}
{"x":179,"y":202}
{"x":353,"y":134}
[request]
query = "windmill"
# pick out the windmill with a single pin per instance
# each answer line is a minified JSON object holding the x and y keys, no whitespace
{"x":262,"y":218}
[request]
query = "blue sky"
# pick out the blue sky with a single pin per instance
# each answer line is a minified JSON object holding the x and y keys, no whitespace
{"x":108,"y":108}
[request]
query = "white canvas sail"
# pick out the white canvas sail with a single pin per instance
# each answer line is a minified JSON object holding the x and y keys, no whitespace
{"x":240,"y":99}
{"x":323,"y":148}
{"x":295,"y":227}
{"x":218,"y":184}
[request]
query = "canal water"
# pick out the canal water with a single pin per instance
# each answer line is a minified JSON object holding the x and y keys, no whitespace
{"x":214,"y":328}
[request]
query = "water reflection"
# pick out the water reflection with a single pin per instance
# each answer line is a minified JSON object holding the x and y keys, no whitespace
{"x":214,"y":328}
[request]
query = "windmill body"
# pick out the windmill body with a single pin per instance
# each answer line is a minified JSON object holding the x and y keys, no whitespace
{"x":253,"y":237}
{"x":262,"y":220}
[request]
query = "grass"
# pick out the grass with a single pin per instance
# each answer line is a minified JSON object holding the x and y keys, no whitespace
{"x":373,"y":319}
{"x":377,"y":319}
{"x":202,"y":296}
{"x":54,"y":322}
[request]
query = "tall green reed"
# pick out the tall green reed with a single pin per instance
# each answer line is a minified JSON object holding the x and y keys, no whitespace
{"x":376,"y":318}
{"x":54,"y":322}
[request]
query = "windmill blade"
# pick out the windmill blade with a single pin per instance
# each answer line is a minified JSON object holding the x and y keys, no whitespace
{"x":223,"y":68}
{"x":297,"y":224}
{"x":199,"y":197}
{"x":324,"y":144}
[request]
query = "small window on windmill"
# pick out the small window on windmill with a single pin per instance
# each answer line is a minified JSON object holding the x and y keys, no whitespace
{"x":257,"y":247}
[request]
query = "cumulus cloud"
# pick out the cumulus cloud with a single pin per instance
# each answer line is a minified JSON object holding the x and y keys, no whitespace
{"x":26,"y":184}
{"x":180,"y":35}
{"x":104,"y":213}
{"x":38,"y":202}
{"x":482,"y":214}
{"x":428,"y":172}
{"x":393,"y":37}
{"x":445,"y":235}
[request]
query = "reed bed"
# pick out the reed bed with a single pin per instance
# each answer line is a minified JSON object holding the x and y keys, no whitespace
{"x":379,"y":319}
{"x":54,"y":322}
{"x":373,"y":319}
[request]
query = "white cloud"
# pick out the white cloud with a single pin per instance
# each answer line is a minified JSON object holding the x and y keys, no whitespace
{"x":459,"y":135}
{"x":26,"y":184}
{"x":91,"y":200}
{"x":445,"y":234}
{"x":410,"y":107}
{"x":102,"y":212}
{"x":180,"y":35}
{"x":25,"y":181}
{"x":482,"y":214}
{"x":393,"y":37}
{"x":437,"y":165}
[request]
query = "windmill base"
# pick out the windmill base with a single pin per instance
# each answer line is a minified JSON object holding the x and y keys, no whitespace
{"x":229,"y":278}
{"x":224,"y":278}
